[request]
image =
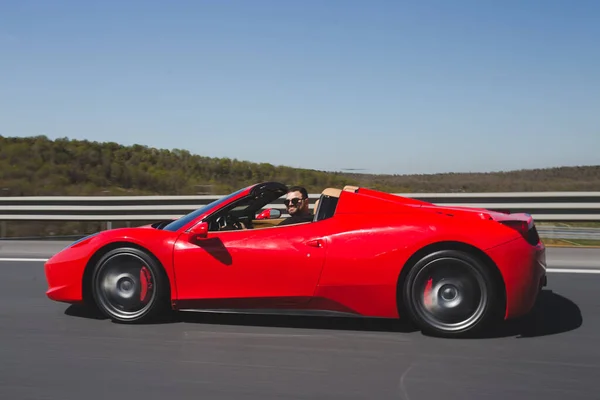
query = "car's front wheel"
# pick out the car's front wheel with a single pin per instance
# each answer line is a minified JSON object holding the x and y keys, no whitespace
{"x":449,"y":293}
{"x":128,"y":285}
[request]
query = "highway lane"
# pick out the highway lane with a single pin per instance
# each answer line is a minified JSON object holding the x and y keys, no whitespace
{"x":53,"y":351}
{"x":31,"y":249}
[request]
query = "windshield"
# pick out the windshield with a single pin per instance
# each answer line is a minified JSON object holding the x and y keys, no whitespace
{"x":178,"y":223}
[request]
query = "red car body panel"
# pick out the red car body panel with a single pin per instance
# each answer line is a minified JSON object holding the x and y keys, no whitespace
{"x":350,"y":262}
{"x":262,"y":263}
{"x":523,"y":267}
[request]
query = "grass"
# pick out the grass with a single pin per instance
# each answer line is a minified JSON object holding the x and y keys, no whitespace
{"x":571,"y":242}
{"x":574,"y":224}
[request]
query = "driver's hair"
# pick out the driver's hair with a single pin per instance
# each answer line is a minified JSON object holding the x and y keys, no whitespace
{"x":300,"y":189}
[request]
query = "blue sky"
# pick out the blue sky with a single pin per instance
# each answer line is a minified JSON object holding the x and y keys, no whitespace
{"x":385,"y":86}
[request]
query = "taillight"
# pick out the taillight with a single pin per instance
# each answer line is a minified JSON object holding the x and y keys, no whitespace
{"x":520,"y":226}
{"x":529,"y":232}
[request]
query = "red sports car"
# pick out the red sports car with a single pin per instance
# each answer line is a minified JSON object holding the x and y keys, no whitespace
{"x":451,"y":270}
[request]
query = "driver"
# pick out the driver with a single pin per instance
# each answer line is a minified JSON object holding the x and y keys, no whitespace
{"x":296,"y":202}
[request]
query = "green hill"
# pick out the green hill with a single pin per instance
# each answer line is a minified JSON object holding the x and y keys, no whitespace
{"x":38,"y":166}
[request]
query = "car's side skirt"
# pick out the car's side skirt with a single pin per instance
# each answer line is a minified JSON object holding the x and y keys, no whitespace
{"x":276,"y":311}
{"x":270,"y":305}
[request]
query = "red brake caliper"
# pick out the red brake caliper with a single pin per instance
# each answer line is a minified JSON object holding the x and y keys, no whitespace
{"x":427,"y":293}
{"x":146,"y":282}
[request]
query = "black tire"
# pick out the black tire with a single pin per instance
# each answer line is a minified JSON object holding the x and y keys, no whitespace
{"x":118,"y":275}
{"x":465,"y":289}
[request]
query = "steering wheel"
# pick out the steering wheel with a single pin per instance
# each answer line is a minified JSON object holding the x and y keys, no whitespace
{"x":229,"y":223}
{"x":234,"y":222}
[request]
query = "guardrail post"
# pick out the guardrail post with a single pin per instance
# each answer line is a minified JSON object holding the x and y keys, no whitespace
{"x":3,"y":229}
{"x":108,"y":225}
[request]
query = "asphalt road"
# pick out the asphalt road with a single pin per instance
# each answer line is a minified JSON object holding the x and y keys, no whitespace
{"x":53,"y":351}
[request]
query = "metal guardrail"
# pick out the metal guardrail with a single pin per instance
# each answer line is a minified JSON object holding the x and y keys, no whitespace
{"x":543,"y":206}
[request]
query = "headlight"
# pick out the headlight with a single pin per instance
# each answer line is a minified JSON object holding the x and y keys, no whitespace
{"x":82,"y":239}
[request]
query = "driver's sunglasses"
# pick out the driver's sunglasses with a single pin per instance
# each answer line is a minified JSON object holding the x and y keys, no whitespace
{"x":293,"y":201}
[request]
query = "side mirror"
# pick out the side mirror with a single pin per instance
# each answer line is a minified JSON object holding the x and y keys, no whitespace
{"x":199,"y":231}
{"x":270,"y":213}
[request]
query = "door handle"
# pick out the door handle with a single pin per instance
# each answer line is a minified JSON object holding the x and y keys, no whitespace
{"x":315,"y":243}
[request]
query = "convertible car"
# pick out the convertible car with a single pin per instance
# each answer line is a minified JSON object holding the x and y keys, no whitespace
{"x":450,"y":270}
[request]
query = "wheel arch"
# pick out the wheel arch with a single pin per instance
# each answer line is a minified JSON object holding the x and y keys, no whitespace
{"x":452,"y":245}
{"x":100,"y":252}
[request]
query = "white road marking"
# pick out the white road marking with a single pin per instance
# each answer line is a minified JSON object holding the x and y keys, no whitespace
{"x":573,"y":270}
{"x":24,"y":259}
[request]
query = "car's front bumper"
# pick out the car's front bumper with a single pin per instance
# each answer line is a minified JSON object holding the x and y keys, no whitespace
{"x":64,"y":275}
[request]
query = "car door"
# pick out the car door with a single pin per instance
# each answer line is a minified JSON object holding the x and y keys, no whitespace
{"x":276,"y":265}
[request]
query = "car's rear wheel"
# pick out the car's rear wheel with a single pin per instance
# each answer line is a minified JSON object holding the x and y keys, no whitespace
{"x":449,"y":293}
{"x":128,"y":285}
